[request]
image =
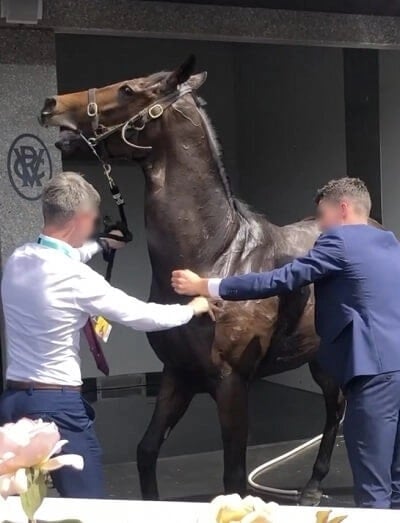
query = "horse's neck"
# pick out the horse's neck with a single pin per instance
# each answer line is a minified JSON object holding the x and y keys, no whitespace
{"x":190,"y":212}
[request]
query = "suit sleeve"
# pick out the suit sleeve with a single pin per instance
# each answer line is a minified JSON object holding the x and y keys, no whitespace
{"x":324,"y":259}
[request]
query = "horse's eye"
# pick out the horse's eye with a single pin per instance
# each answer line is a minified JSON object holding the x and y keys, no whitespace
{"x":128,"y":91}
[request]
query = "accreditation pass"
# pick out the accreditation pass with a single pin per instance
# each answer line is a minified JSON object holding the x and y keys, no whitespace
{"x":102,"y":328}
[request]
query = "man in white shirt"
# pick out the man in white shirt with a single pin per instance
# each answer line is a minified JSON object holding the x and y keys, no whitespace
{"x":48,"y":294}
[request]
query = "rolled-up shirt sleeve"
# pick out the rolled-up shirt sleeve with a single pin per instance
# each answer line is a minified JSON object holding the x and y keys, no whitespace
{"x":88,"y":250}
{"x":95,"y":296}
{"x":213,"y":287}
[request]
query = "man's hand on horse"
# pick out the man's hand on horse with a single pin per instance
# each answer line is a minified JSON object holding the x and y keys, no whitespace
{"x":189,"y":283}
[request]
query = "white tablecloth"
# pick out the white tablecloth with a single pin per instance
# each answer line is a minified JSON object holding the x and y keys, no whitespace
{"x":121,"y":511}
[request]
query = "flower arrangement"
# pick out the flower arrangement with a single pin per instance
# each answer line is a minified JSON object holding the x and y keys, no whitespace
{"x":28,"y":452}
{"x":234,"y":509}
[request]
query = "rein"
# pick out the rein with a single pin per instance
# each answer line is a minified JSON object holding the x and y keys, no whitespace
{"x":137,"y":123}
{"x":117,"y":197}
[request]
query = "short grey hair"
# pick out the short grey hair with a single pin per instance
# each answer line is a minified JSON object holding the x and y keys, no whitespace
{"x":64,"y":195}
{"x":353,"y":189}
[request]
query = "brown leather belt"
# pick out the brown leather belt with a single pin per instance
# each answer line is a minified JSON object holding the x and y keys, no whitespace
{"x":34,"y":385}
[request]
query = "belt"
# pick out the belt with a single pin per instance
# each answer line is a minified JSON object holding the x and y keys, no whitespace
{"x":34,"y":385}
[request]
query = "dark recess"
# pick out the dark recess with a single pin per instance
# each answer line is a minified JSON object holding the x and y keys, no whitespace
{"x":361,"y":93}
{"x":365,"y":7}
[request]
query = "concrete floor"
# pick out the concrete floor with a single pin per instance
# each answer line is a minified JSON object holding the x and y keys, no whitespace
{"x":190,"y":465}
{"x":197,"y":477}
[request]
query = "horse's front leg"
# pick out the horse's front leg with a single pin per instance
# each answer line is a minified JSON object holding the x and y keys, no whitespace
{"x":172,"y":401}
{"x":231,"y":396}
{"x":334,"y":403}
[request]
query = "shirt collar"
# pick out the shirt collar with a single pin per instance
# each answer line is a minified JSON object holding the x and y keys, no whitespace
{"x":59,"y":245}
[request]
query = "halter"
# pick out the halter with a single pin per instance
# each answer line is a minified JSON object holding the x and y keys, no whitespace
{"x":136,"y":122}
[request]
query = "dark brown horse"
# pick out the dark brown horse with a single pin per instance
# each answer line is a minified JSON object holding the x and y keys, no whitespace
{"x":193,"y":220}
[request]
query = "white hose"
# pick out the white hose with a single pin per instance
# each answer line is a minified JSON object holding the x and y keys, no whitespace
{"x":265,"y":466}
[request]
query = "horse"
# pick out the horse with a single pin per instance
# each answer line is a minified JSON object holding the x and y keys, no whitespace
{"x":193,"y":220}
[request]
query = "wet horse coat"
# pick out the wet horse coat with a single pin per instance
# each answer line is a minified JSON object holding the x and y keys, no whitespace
{"x":194,"y":221}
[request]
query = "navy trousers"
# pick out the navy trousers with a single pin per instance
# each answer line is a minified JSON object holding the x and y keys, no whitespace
{"x":74,"y":418}
{"x":372,"y":436}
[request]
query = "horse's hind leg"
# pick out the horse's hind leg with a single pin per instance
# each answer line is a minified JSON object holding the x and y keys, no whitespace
{"x":172,"y":401}
{"x":231,"y":396}
{"x":334,"y":403}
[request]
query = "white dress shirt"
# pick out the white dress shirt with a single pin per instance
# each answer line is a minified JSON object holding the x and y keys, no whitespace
{"x":213,"y":287}
{"x":48,"y":295}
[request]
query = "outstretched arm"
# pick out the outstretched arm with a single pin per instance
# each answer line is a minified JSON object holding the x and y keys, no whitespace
{"x":95,"y":296}
{"x":324,"y":259}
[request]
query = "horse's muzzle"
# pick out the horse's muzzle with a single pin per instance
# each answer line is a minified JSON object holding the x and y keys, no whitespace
{"x":69,"y":142}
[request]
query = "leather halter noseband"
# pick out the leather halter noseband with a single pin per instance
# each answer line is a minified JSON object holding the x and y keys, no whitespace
{"x":136,"y":122}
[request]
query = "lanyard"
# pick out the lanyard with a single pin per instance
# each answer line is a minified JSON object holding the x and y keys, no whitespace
{"x":52,"y":244}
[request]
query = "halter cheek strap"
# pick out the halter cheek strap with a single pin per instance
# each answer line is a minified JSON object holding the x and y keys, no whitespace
{"x":92,"y":109}
{"x":137,"y":122}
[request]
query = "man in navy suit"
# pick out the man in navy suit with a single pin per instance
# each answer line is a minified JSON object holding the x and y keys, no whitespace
{"x":356,"y":271}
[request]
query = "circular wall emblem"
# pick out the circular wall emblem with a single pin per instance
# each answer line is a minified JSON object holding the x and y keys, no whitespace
{"x":29,"y":166}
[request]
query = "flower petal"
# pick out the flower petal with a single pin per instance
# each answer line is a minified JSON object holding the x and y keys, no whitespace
{"x":56,"y":449}
{"x":5,"y":484}
{"x":20,"y":481}
{"x":73,"y":460}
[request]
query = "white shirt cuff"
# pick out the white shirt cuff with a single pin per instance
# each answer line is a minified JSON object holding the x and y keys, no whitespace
{"x":88,"y":250}
{"x":213,"y":287}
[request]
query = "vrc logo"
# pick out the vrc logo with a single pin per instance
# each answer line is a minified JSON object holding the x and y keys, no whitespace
{"x":29,"y":166}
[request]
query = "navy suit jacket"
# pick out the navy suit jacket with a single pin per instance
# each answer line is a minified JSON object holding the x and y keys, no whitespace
{"x":356,"y":272}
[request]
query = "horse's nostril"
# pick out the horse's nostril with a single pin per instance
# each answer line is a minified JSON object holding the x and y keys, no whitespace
{"x":49,"y":105}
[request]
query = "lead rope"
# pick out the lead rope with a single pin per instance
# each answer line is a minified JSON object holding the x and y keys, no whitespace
{"x":117,"y":197}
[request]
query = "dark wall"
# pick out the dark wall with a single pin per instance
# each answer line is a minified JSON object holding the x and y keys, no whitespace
{"x":389,"y":65}
{"x":291,"y":125}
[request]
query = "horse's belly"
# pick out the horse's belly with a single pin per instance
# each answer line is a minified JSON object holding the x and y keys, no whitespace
{"x":265,"y":336}
{"x":186,"y":348}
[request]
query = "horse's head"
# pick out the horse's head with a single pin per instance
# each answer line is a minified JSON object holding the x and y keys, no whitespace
{"x":128,"y":110}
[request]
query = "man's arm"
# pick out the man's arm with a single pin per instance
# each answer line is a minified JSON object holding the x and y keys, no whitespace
{"x":97,"y":297}
{"x":88,"y":250}
{"x":324,"y":259}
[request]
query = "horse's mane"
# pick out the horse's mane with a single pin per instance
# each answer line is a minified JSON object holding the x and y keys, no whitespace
{"x":240,"y":207}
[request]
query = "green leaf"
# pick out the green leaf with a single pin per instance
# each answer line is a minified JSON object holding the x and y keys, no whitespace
{"x":33,"y":497}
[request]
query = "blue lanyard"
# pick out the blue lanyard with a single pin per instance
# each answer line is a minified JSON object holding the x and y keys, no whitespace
{"x":47,"y":242}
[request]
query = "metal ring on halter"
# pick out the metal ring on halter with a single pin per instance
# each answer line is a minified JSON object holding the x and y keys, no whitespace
{"x":131,"y":144}
{"x":92,"y":109}
{"x":138,"y":127}
{"x":155,"y":111}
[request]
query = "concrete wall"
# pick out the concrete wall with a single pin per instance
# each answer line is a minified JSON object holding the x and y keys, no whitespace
{"x":27,"y":154}
{"x":27,"y":70}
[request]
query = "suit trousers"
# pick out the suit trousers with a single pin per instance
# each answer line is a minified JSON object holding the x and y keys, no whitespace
{"x":372,"y":436}
{"x":74,"y":418}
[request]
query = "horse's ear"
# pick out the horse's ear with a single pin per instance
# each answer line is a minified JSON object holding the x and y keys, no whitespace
{"x":181,"y":74}
{"x":197,"y":80}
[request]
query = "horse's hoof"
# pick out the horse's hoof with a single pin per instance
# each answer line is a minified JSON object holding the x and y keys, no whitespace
{"x":310,"y":498}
